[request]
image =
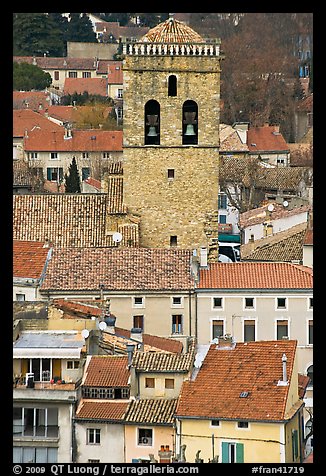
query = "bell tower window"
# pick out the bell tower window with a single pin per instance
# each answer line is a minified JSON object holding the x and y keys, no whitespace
{"x":189,"y":123}
{"x":172,"y":85}
{"x":152,"y":123}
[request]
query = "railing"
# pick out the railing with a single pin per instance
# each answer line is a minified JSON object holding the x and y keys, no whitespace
{"x":49,"y":431}
{"x":175,"y":49}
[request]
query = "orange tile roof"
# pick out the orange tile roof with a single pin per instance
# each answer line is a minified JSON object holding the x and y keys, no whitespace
{"x":107,"y":371}
{"x":96,"y":86}
{"x":172,"y":31}
{"x":101,"y":410}
{"x":26,"y":119}
{"x":254,"y":367}
{"x":115,"y":74}
{"x":119,"y":269}
{"x":31,"y":99}
{"x":91,"y":140}
{"x":60,"y":63}
{"x":163,"y":343}
{"x":261,"y":214}
{"x":266,"y":138}
{"x":29,"y":258}
{"x":247,"y":275}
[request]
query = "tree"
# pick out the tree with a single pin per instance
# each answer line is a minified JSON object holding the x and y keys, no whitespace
{"x":29,"y":76}
{"x":72,"y":178}
{"x":80,"y":28}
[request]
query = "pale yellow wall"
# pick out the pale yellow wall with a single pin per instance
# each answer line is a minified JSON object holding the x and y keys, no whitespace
{"x":162,"y":435}
{"x":111,"y":447}
{"x":292,"y":425}
{"x":308,"y":256}
{"x":66,"y":412}
{"x":159,"y":391}
{"x":260,"y":440}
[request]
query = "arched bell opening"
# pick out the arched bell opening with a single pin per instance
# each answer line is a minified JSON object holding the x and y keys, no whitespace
{"x":152,"y":122}
{"x":172,"y":85}
{"x":189,"y":123}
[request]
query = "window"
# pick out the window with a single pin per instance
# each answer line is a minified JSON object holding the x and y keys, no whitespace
{"x":282,"y":329}
{"x":152,"y":123}
{"x":93,"y":461}
{"x":106,"y":155}
{"x":177,"y":324}
{"x":311,"y":303}
{"x":138,"y":322}
{"x":93,"y":436}
{"x":145,"y":436}
{"x":138,"y":301}
{"x":72,"y":364}
{"x":20,"y":297}
{"x":222,"y":201}
{"x":85,"y":155}
{"x":232,"y":452}
{"x":173,"y":240}
{"x":54,"y":155}
{"x":310,"y":331}
{"x":120,"y":93}
{"x":217,"y":328}
{"x":169,"y":383}
{"x":215,"y":422}
{"x":171,"y":174}
{"x":149,"y":382}
{"x":249,"y":330}
{"x":56,"y":76}
{"x":172,"y":85}
{"x":86,"y":172}
{"x":54,"y":174}
{"x":217,"y":302}
{"x":86,"y":74}
{"x":29,"y":454}
{"x":72,"y":74}
{"x":177,"y":301}
{"x":310,"y":373}
{"x":189,"y":123}
{"x":243,"y":424}
{"x":295,"y":445}
{"x":249,"y":303}
{"x":222,"y":219}
{"x":281,"y":303}
{"x":33,"y":155}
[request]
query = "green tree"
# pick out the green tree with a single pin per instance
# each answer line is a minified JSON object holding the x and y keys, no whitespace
{"x":29,"y":76}
{"x":80,"y":28}
{"x":72,"y":178}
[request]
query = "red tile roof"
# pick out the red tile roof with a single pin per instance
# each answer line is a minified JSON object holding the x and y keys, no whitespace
{"x":246,"y":275}
{"x":119,"y":269}
{"x":31,"y":99}
{"x":96,"y":86}
{"x":107,"y":371}
{"x":82,"y":140}
{"x":101,"y":410}
{"x":60,"y":63}
{"x":163,"y":343}
{"x":254,"y":367}
{"x":261,"y":214}
{"x":29,"y":258}
{"x":26,"y":119}
{"x":172,"y":31}
{"x":266,"y":138}
{"x":115,"y":74}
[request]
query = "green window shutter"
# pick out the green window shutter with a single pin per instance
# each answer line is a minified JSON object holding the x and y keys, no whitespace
{"x":239,"y":453}
{"x":225,"y":452}
{"x":48,"y":172}
{"x":294,"y":444}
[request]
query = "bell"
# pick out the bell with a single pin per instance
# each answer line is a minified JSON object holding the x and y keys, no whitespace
{"x":152,"y":132}
{"x":190,"y":131}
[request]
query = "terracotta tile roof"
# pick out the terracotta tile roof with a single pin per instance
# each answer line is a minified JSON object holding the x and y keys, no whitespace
{"x":155,"y":342}
{"x":90,"y":140}
{"x":78,"y":308}
{"x":151,"y":411}
{"x":230,"y":140}
{"x":29,"y":259}
{"x":266,"y":139}
{"x":119,"y":269}
{"x":59,"y":63}
{"x":24,"y":176}
{"x":303,"y":382}
{"x":96,"y":86}
{"x":286,"y":245}
{"x":31,"y":99}
{"x":61,"y":113}
{"x":115,"y":344}
{"x":261,"y":214}
{"x":106,"y":371}
{"x":172,"y":31}
{"x":247,"y":275}
{"x":309,"y":237}
{"x":101,"y":410}
{"x":97,"y":184}
{"x":306,"y":104}
{"x":254,"y":367}
{"x":164,"y":362}
{"x":26,"y":119}
{"x":115,"y":74}
{"x":102,"y":66}
{"x":69,"y":219}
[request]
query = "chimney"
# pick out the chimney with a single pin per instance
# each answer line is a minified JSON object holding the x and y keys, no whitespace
{"x":284,"y":380}
{"x":136,"y":333}
{"x":165,"y":454}
{"x":130,"y":351}
{"x":225,"y":342}
{"x":203,"y":257}
{"x":109,"y":320}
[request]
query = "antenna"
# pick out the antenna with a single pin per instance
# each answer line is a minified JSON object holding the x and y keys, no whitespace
{"x":85,"y":333}
{"x":102,"y":325}
{"x":117,"y":237}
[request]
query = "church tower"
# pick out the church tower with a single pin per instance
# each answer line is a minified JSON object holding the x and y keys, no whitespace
{"x":171,"y":136}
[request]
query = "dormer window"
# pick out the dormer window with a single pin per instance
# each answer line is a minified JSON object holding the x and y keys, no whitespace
{"x":152,"y":123}
{"x":189,"y":123}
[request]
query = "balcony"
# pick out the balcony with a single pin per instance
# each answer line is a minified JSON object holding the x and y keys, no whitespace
{"x":35,"y":432}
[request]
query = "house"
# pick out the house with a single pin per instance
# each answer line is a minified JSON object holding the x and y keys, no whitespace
{"x":269,"y":145}
{"x":47,"y":371}
{"x":258,"y":301}
{"x":271,"y":219}
{"x":53,"y":151}
{"x":243,"y":405}
{"x":93,"y":86}
{"x":76,"y":220}
{"x":30,"y":259}
{"x":151,"y":289}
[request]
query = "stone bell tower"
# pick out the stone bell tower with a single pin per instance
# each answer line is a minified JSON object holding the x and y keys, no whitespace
{"x":171,"y":135}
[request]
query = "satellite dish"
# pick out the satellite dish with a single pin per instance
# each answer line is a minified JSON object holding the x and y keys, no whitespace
{"x":102,"y":325}
{"x":270,"y":207}
{"x":285,"y":203}
{"x":117,"y":237}
{"x":85,"y":333}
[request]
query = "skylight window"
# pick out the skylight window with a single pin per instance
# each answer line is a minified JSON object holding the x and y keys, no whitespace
{"x":244,"y":394}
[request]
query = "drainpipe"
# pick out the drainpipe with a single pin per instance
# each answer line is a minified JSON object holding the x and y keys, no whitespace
{"x":189,"y":312}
